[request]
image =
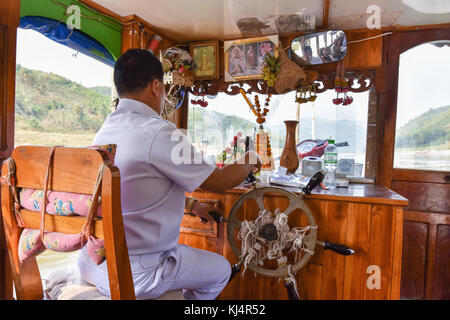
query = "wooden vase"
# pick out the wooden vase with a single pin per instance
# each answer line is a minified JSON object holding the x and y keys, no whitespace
{"x":289,"y":158}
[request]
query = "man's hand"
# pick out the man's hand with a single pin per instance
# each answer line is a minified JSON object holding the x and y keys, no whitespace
{"x":253,"y":158}
{"x":233,"y":174}
{"x":202,"y":210}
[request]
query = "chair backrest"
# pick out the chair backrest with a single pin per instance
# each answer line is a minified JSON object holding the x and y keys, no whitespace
{"x":73,"y":170}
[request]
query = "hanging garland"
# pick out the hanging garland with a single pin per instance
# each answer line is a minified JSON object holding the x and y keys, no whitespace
{"x":263,"y":147}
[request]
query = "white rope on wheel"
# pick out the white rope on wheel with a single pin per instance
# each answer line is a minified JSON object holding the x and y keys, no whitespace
{"x":255,"y":248}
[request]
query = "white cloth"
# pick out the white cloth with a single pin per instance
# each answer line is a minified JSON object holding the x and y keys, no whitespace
{"x":201,"y":274}
{"x":153,"y":185}
{"x":66,"y":284}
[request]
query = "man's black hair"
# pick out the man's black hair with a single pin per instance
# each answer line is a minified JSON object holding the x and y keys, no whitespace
{"x":135,"y":69}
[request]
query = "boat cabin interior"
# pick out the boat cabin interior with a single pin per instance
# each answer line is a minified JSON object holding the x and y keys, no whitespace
{"x":346,"y":103}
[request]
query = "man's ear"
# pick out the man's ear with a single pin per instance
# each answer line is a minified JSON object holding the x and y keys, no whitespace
{"x":153,"y":87}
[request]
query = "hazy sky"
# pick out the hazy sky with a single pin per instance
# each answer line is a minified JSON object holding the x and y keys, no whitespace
{"x":424,"y":81}
{"x":35,"y":51}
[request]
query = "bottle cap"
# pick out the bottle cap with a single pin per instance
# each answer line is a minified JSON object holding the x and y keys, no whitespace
{"x":330,"y":141}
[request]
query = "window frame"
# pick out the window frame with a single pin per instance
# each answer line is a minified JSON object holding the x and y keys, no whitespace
{"x":393,"y":45}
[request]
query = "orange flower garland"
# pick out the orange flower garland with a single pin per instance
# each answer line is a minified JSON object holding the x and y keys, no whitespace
{"x":263,"y":147}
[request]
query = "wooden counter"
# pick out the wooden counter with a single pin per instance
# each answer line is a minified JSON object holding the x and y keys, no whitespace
{"x":367,"y":218}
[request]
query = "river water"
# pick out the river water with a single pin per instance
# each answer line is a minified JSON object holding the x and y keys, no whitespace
{"x":438,"y":160}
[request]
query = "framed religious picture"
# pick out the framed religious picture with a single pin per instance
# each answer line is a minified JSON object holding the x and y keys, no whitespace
{"x":244,"y":59}
{"x":206,"y":59}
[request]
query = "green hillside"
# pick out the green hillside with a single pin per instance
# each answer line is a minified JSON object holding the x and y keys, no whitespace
{"x":103,"y":90}
{"x":50,"y":103}
{"x":431,"y":128}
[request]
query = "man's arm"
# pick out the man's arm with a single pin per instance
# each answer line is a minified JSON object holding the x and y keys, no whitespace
{"x":233,"y":174}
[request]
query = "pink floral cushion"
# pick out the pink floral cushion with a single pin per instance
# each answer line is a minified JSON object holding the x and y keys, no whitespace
{"x":66,"y":204}
{"x":59,"y":203}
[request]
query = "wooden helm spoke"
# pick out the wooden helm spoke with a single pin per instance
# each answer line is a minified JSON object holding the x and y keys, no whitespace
{"x":260,"y":201}
{"x":292,"y":207}
{"x":234,"y":222}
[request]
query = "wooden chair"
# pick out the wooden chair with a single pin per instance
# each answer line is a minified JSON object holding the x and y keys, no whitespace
{"x":72,"y":170}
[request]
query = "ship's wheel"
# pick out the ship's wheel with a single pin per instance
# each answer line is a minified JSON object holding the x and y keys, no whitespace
{"x":268,"y":232}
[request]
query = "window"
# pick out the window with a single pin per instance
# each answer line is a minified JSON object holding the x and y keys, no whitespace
{"x":212,"y":128}
{"x":62,"y":98}
{"x":422,"y":139}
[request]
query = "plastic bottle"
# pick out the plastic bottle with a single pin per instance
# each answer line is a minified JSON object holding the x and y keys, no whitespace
{"x":330,"y":156}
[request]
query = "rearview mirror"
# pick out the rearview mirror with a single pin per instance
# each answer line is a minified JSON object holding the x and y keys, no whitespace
{"x":319,"y":48}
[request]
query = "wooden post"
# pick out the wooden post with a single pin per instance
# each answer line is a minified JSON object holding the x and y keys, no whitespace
{"x":326,"y":13}
{"x":9,"y":21}
{"x":371,"y":139}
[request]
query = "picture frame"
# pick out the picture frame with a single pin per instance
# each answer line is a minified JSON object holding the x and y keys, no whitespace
{"x":206,"y":58}
{"x":244,"y":58}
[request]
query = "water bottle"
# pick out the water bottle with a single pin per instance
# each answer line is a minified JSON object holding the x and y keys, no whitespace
{"x":330,"y":161}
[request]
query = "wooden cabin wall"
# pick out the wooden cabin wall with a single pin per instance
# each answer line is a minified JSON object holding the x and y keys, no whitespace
{"x":136,"y":34}
{"x":426,"y":236}
{"x":364,"y":55}
{"x":9,"y":21}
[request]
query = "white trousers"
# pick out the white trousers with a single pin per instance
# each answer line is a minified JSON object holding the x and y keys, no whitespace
{"x":201,"y":274}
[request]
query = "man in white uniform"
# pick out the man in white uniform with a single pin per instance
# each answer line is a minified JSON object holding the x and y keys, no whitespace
{"x":153,"y":186}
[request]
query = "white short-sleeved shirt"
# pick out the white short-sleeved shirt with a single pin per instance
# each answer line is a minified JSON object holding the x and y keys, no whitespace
{"x":153,"y":181}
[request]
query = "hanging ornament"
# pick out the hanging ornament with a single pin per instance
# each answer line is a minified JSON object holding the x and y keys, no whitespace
{"x":345,"y":88}
{"x":201,"y":98}
{"x":306,"y":94}
{"x":341,"y":86}
{"x":338,"y":84}
{"x":312,"y":89}
{"x":300,"y":96}
{"x":174,"y":100}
